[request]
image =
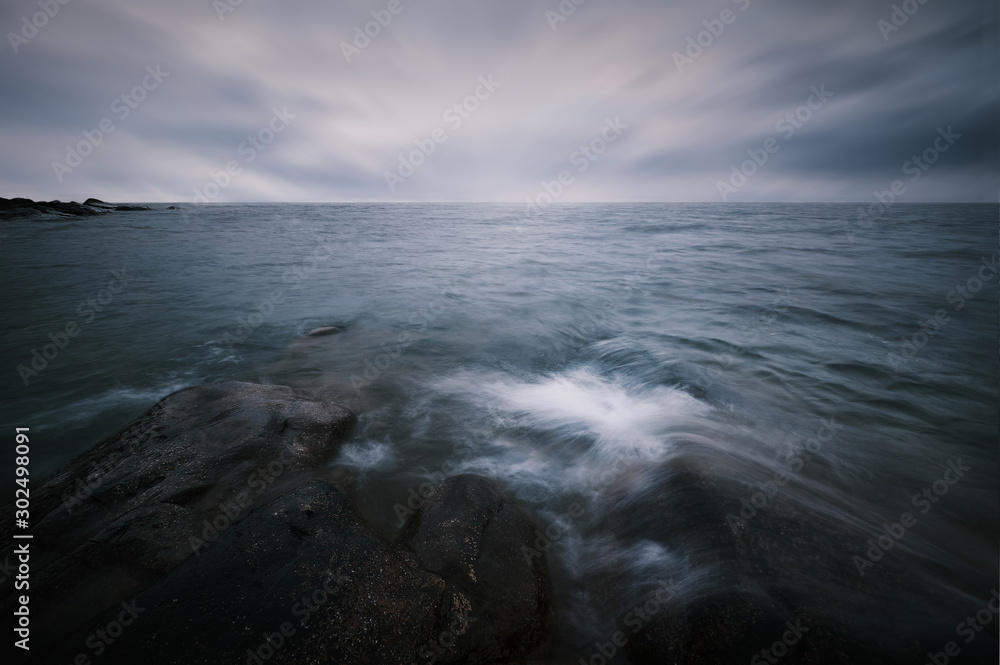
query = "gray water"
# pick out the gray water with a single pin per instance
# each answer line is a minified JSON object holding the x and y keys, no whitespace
{"x":590,"y":354}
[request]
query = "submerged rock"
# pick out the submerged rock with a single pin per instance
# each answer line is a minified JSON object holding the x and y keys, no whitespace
{"x":323,"y":332}
{"x":747,"y":594}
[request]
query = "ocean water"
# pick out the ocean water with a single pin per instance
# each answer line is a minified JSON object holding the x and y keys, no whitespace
{"x":593,"y":358}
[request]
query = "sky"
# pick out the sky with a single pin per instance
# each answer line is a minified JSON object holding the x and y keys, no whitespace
{"x":502,"y":100}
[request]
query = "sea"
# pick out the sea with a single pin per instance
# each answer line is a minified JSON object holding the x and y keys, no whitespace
{"x":638,"y":377}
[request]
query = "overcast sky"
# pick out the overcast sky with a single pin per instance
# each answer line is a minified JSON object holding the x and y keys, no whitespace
{"x":683,"y":123}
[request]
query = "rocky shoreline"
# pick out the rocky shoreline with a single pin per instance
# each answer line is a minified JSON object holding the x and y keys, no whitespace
{"x":207,"y":532}
{"x":19,"y":208}
{"x":212,"y":530}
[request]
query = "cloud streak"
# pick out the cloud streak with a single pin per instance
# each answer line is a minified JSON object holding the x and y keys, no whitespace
{"x":607,"y":59}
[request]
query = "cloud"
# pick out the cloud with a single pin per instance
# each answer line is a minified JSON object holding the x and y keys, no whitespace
{"x":354,"y":120}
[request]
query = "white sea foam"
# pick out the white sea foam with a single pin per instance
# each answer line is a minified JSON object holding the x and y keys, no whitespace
{"x":621,"y":420}
{"x":366,"y":455}
{"x":573,"y":433}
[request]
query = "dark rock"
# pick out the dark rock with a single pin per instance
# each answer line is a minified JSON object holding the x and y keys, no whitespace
{"x":171,"y":207}
{"x":750,"y":579}
{"x":97,"y":203}
{"x":726,"y":617}
{"x":20,"y":208}
{"x":134,"y":507}
{"x":305,"y":561}
{"x":205,"y":529}
{"x":470,"y":534}
{"x":306,"y":564}
{"x":323,"y":332}
{"x":7,"y":204}
{"x":72,"y":209}
{"x":716,"y":629}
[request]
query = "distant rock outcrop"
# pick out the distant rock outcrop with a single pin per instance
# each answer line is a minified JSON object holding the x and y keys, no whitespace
{"x":25,"y":208}
{"x":10,"y":208}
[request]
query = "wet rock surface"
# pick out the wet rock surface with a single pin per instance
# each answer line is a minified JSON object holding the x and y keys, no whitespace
{"x":207,"y":531}
{"x":731,"y":598}
{"x":142,"y":501}
{"x":470,"y":534}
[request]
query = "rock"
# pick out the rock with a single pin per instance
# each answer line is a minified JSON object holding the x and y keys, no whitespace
{"x":97,"y":203}
{"x":21,"y":208}
{"x":203,"y":533}
{"x":142,"y":501}
{"x":306,"y":569}
{"x":171,"y":207}
{"x":724,"y":618}
{"x":718,"y":629}
{"x":10,"y":204}
{"x":323,"y":332}
{"x":470,"y":534}
{"x":304,"y":565}
{"x":751,"y":580}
